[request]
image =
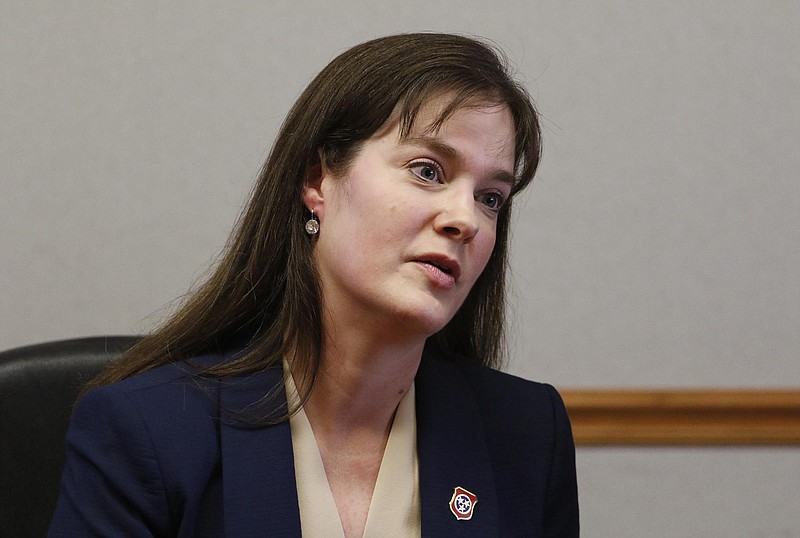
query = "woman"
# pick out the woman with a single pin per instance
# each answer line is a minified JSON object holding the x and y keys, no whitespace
{"x":333,"y":376}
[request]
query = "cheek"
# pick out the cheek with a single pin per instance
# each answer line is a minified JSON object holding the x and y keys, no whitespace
{"x":395,"y":218}
{"x":484,"y":246}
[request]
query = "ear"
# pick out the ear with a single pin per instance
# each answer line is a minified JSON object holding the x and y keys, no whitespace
{"x":313,"y":191}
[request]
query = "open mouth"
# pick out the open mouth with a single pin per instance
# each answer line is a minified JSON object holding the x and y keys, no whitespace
{"x":439,"y":266}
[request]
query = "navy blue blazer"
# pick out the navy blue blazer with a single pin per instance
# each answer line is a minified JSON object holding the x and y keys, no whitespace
{"x":153,"y":456}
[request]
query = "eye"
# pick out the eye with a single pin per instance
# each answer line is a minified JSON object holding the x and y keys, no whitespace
{"x":427,"y":171}
{"x":492,"y":200}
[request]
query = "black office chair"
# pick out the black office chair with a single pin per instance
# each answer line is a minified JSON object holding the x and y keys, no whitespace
{"x":38,"y":387}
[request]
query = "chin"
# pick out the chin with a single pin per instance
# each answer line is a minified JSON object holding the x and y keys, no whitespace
{"x":426,"y":320}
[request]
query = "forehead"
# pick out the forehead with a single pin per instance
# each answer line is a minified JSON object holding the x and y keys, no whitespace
{"x":477,"y":126}
{"x":427,"y":114}
{"x":444,"y":115}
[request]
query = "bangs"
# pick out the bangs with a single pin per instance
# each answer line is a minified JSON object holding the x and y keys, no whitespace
{"x":526,"y":143}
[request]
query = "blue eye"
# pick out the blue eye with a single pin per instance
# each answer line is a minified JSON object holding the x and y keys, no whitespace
{"x":491,"y":200}
{"x":427,"y":171}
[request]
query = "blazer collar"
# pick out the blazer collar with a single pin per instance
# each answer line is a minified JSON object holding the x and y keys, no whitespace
{"x":452,"y":452}
{"x":257,"y":465}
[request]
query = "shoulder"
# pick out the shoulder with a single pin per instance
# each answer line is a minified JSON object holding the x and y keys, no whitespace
{"x":499,"y":394}
{"x":168,"y":407}
{"x":178,"y":404}
{"x":157,"y":390}
{"x":181,"y":382}
{"x":486,"y":379}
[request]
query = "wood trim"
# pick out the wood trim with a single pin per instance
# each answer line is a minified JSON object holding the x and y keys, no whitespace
{"x":684,"y":417}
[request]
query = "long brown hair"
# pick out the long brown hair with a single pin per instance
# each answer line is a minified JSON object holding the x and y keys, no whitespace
{"x":263,"y":297}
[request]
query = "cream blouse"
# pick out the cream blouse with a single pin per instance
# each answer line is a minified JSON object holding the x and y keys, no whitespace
{"x":394,"y":509}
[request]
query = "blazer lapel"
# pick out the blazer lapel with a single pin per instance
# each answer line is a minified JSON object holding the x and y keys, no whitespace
{"x":259,"y":489}
{"x":452,"y":453}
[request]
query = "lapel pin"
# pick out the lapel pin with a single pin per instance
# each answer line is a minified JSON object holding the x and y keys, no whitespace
{"x":463,"y":503}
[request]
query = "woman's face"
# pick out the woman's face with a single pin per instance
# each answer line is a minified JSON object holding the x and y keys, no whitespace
{"x":407,"y":230}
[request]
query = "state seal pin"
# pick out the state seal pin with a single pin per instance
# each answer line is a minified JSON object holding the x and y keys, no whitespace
{"x":463,"y":503}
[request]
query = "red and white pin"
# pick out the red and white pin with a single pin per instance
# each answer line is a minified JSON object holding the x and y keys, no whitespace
{"x":463,"y":503}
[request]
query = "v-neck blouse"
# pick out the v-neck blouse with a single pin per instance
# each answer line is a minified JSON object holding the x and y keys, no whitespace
{"x":395,"y":506}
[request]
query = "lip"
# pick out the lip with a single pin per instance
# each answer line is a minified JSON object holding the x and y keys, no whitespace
{"x":444,"y":269}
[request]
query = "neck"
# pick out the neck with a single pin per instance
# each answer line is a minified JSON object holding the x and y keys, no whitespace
{"x":361,"y":380}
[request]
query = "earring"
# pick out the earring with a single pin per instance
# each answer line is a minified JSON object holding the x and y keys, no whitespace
{"x":312,"y":224}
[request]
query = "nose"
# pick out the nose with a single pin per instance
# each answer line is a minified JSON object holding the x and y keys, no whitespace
{"x":458,"y":219}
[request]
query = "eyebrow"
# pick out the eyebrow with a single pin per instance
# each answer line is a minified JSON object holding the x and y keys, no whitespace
{"x":443,"y":148}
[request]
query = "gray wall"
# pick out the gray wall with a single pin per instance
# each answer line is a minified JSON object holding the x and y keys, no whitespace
{"x":658,"y":247}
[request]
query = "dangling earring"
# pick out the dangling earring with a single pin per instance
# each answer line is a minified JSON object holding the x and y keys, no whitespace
{"x":312,"y":224}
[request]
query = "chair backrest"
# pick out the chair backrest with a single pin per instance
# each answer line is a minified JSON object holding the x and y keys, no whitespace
{"x":38,"y":387}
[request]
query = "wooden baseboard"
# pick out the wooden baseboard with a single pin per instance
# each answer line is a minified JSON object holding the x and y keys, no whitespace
{"x":684,"y":417}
